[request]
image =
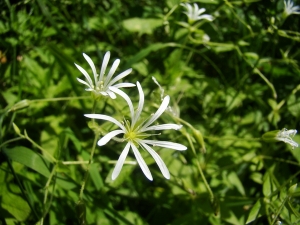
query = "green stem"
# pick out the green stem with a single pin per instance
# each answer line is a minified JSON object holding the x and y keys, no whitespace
{"x":88,"y":167}
{"x":45,"y":211}
{"x":91,"y":157}
{"x":39,"y":147}
{"x":11,"y":140}
{"x":59,"y":99}
{"x":211,"y":194}
{"x":74,"y":162}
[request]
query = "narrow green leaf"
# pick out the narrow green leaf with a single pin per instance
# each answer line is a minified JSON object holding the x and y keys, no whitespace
{"x":254,"y":212}
{"x":28,"y":158}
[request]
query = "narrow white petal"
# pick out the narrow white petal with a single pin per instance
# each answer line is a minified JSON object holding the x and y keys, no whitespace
{"x":119,"y":77}
{"x":111,"y":94}
{"x":87,"y":76}
{"x":167,"y":126}
{"x":125,"y":96}
{"x":120,"y":162}
{"x":200,"y":11}
{"x":106,"y":138}
{"x":166,"y":144}
{"x":104,"y":65}
{"x":160,"y":110}
{"x":121,"y":85}
{"x":112,"y":71}
{"x":103,"y":93}
{"x":205,"y":16}
{"x":92,"y":65}
{"x":104,"y":117}
{"x":140,"y":106}
{"x":162,"y":166}
{"x":85,"y":83}
{"x":141,"y":162}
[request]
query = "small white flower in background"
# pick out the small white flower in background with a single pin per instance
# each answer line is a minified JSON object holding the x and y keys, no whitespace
{"x":135,"y":132}
{"x":289,"y":8}
{"x":102,"y":82}
{"x":284,"y":135}
{"x":194,"y":13}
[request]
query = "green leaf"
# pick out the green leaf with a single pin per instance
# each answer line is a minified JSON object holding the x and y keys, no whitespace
{"x":13,"y":203}
{"x":254,"y":212}
{"x":234,"y":180}
{"x":142,"y":26}
{"x":28,"y":158}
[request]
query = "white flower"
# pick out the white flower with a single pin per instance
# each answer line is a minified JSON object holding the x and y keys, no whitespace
{"x":101,"y":82}
{"x":135,"y":133}
{"x":289,"y":8}
{"x":193,"y":13}
{"x":286,"y":136}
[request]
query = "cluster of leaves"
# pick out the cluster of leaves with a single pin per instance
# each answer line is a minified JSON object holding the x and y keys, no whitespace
{"x":227,"y":91}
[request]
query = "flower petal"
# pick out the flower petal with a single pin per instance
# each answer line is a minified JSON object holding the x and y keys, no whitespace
{"x":121,"y":85}
{"x":205,"y":16}
{"x":87,"y":76}
{"x":162,"y":166}
{"x":141,"y":162}
{"x":112,"y":71}
{"x":111,"y":94}
{"x":104,"y":117}
{"x":120,"y":162}
{"x":85,"y":83}
{"x":104,"y":65}
{"x":140,"y":106}
{"x":160,"y":110}
{"x":126,"y":98}
{"x":167,"y":126}
{"x":92,"y":65}
{"x":165,"y":144}
{"x":119,"y":77}
{"x":106,"y":138}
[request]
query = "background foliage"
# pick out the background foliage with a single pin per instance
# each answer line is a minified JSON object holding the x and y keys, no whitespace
{"x":228,"y":90}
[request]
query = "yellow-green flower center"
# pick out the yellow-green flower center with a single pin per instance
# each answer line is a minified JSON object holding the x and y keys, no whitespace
{"x":131,"y":135}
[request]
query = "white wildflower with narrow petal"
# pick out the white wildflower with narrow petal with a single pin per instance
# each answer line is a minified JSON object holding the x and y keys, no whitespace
{"x":102,"y":82}
{"x":194,"y":13}
{"x":135,"y":134}
{"x":286,"y":136}
{"x":289,"y":8}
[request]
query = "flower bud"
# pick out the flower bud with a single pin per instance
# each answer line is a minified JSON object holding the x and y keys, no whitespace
{"x":20,"y":105}
{"x":284,"y":135}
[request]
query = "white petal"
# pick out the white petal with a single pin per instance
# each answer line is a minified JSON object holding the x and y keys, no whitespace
{"x":141,"y":162}
{"x":121,"y":85}
{"x":104,"y":65}
{"x":85,"y":83}
{"x":125,"y":96}
{"x":112,"y":71}
{"x":119,"y":77}
{"x":120,"y":162}
{"x":87,"y":76}
{"x":111,"y":94}
{"x":167,"y":126}
{"x":162,"y":166}
{"x":106,"y":138}
{"x":92,"y":65}
{"x":140,"y":106}
{"x":205,"y":16}
{"x":160,"y":110}
{"x":104,"y":117}
{"x":166,"y":144}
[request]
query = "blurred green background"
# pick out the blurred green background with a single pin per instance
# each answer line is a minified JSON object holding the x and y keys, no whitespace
{"x":230,"y":81}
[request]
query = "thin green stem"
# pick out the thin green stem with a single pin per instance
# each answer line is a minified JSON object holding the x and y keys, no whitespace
{"x":211,"y":194}
{"x":88,"y":167}
{"x":45,"y":211}
{"x":11,"y":140}
{"x":59,"y":99}
{"x":74,"y":162}
{"x":91,"y":156}
{"x":40,"y":148}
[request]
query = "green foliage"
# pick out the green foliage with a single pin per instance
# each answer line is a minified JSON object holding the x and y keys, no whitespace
{"x":230,"y":81}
